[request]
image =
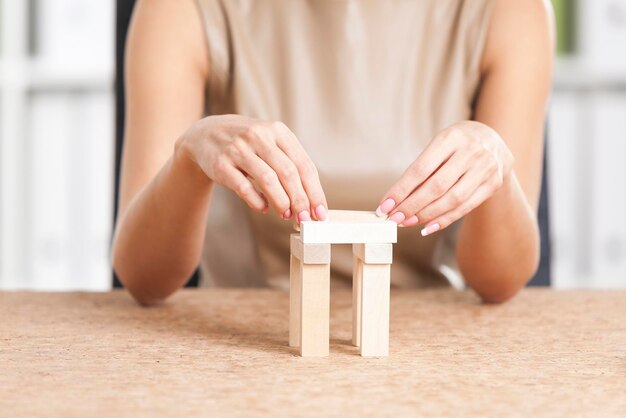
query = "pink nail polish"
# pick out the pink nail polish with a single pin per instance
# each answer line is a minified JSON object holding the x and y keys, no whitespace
{"x":304,"y":216}
{"x":412,"y":221}
{"x":385,"y":207}
{"x":397,"y":217}
{"x":321,"y":213}
{"x":430,"y":229}
{"x":287,"y":214}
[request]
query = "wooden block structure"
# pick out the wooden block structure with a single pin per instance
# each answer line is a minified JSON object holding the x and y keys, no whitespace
{"x":372,"y":239}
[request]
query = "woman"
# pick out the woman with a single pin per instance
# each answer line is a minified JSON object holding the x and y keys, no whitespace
{"x":416,"y":109}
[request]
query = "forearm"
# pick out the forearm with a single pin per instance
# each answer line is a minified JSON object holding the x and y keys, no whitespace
{"x":159,"y":237}
{"x":498,"y":245}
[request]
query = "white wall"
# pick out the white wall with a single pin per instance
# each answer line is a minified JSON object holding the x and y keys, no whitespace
{"x":56,"y":144}
{"x":587,"y":173}
{"x":587,"y":146}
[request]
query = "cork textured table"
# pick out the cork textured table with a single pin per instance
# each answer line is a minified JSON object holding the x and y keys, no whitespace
{"x":225,"y":353}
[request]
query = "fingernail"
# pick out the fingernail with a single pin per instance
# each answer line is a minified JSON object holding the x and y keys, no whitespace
{"x":385,"y":207}
{"x":287,"y":214}
{"x":412,"y":221}
{"x":397,"y":217}
{"x":430,"y":229}
{"x":304,"y":216}
{"x":321,"y":213}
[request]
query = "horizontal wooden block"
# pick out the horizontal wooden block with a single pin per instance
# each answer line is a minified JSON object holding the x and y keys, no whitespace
{"x":374,"y":253}
{"x":310,"y":253}
{"x":349,"y":227}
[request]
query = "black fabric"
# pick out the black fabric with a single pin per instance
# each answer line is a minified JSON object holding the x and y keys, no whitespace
{"x":123,"y":15}
{"x":543,"y":277}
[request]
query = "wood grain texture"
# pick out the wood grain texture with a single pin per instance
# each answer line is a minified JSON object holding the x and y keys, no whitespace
{"x":374,"y":253}
{"x":309,"y":253}
{"x":225,"y":353}
{"x":295,"y":294}
{"x":374,"y":323}
{"x":314,"y":309}
{"x":357,"y":264}
{"x":349,"y":227}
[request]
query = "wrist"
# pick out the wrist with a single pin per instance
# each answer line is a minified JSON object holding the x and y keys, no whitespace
{"x":185,"y":162}
{"x":508,"y":182}
{"x":501,"y":152}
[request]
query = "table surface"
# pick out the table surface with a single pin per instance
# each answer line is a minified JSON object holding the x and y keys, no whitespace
{"x":224,"y":352}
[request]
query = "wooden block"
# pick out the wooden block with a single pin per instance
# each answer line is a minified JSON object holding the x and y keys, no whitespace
{"x":314,"y":253}
{"x":314,"y":309}
{"x":295,"y":283}
{"x":349,"y":227}
{"x":357,"y":267}
{"x":375,"y":310}
{"x":374,"y":253}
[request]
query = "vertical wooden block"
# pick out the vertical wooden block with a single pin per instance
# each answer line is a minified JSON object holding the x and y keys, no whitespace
{"x":377,"y":253}
{"x":314,"y":309}
{"x":349,"y":227}
{"x":318,"y":253}
{"x":357,"y":266}
{"x":375,"y":292}
{"x":295,"y":295}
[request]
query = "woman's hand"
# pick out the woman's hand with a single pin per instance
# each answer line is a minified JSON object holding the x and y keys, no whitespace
{"x":461,"y":168}
{"x":262,"y":162}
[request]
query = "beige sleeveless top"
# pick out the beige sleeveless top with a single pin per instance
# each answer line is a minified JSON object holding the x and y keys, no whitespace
{"x":364,"y":85}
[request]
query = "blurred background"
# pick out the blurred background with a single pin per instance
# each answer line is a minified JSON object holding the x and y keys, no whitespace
{"x":57,"y":144}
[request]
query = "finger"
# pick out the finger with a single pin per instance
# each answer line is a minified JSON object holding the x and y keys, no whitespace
{"x":309,"y":176}
{"x":233,"y":179}
{"x":288,"y":175}
{"x":267,"y":180}
{"x":482,"y":193}
{"x":436,"y":154}
{"x":453,"y":198}
{"x":432,"y":189}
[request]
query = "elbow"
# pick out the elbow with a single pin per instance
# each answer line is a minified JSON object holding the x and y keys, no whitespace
{"x":498,"y":278}
{"x":144,"y":299}
{"x":147,"y":282}
{"x":139,"y":293}
{"x":504,"y":286}
{"x":497,"y":296}
{"x":137,"y":286}
{"x":500,"y":292}
{"x":146,"y":302}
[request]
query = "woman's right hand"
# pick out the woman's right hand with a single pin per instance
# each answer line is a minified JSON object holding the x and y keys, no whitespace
{"x":238,"y":152}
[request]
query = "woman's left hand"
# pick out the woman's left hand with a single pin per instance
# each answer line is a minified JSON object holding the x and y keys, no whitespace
{"x":461,"y":168}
